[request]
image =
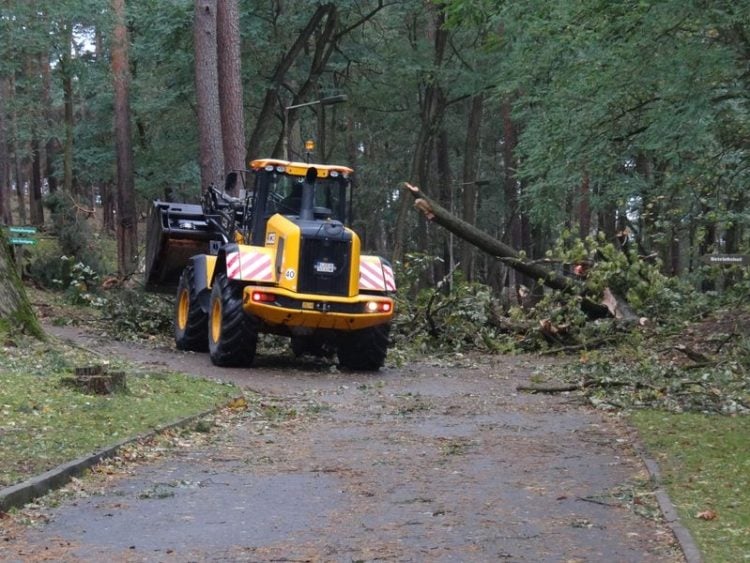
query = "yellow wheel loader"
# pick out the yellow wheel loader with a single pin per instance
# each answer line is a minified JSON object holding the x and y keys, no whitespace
{"x":281,"y":260}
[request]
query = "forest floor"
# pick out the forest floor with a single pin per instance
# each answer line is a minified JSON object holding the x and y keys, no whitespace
{"x":437,"y":460}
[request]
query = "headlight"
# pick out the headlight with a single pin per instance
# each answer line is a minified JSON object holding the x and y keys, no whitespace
{"x":378,"y":307}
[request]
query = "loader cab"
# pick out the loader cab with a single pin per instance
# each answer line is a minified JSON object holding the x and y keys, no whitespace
{"x":299,"y":191}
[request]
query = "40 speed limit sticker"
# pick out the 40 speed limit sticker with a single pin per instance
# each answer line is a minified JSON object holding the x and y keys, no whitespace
{"x":290,"y":274}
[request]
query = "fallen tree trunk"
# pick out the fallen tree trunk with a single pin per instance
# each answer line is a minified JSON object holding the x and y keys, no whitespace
{"x":510,"y":256}
{"x":615,"y":305}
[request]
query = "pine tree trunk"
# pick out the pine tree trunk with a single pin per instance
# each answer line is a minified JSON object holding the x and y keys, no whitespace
{"x":230,"y":87}
{"x":16,"y":159}
{"x":5,"y":216}
{"x":67,"y":80}
{"x":469,"y":185}
{"x":16,"y":313}
{"x":36,"y":210}
{"x":211,"y":158}
{"x":51,"y":144}
{"x":127,"y":236}
{"x":584,"y":207}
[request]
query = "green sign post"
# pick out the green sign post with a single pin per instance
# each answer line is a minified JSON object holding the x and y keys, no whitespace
{"x":20,"y":236}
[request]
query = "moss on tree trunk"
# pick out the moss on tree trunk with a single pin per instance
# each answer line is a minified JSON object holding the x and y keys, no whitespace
{"x":16,"y":313}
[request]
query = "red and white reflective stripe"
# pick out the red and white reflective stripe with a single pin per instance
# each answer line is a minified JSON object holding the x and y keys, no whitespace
{"x":371,"y":276}
{"x":390,"y":279}
{"x":249,"y":266}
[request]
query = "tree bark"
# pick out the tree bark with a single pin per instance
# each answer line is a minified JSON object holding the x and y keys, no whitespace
{"x":469,"y":182}
{"x":67,"y":80}
{"x":16,"y":313}
{"x":5,"y":215}
{"x":211,"y":159}
{"x":51,"y":144}
{"x":584,"y":207}
{"x":36,"y":210}
{"x":447,"y":198}
{"x":230,"y":87}
{"x":17,"y":165}
{"x":127,"y":238}
{"x":514,"y":220}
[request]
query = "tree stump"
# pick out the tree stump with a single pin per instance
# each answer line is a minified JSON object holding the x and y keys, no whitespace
{"x":96,"y":380}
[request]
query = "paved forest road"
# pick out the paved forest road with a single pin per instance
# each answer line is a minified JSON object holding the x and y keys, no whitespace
{"x":428,"y":462}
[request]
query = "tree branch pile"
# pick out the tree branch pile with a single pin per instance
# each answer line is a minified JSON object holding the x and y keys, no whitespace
{"x":704,"y":368}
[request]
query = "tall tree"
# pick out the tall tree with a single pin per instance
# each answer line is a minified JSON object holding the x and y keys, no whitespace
{"x":274,"y":84}
{"x":66,"y":70}
{"x":18,"y":168}
{"x":469,"y":181}
{"x":230,"y":86}
{"x":432,"y":110}
{"x":211,"y":158}
{"x":5,"y":215}
{"x":127,"y":235}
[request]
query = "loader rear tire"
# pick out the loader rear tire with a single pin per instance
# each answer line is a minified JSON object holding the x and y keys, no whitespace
{"x":365,"y":349}
{"x":232,"y":333}
{"x":190,"y":321}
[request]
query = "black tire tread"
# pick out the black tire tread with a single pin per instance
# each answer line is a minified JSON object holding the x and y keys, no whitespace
{"x":365,"y":349}
{"x":195,"y":336}
{"x":239,"y":331}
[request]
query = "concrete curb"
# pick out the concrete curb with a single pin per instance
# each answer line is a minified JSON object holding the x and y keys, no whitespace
{"x":682,"y":534}
{"x":19,"y":494}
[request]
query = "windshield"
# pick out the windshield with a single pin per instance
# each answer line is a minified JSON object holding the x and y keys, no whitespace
{"x":330,"y":197}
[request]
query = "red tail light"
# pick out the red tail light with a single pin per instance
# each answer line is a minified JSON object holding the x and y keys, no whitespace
{"x":262,"y":297}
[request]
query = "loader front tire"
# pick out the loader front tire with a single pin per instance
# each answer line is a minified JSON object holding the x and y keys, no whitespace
{"x":190,"y":321}
{"x":365,"y":349}
{"x":232,"y":333}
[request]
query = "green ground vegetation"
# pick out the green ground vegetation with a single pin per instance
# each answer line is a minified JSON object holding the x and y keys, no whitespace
{"x":705,"y":464}
{"x":44,"y":422}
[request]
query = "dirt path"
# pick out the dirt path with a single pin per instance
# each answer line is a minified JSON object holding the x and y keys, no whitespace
{"x":431,"y":462}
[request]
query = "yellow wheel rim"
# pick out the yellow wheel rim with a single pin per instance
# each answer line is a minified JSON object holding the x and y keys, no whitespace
{"x":216,"y":320}
{"x":183,"y":307}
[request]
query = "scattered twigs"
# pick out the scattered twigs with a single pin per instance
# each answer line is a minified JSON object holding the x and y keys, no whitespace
{"x":547,"y":388}
{"x":597,"y":501}
{"x":694,"y":355}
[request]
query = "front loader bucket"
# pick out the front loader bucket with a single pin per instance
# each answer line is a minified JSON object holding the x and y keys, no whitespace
{"x":175,"y":233}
